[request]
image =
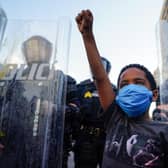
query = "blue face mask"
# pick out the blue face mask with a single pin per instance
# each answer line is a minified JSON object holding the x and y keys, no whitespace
{"x":134,"y":99}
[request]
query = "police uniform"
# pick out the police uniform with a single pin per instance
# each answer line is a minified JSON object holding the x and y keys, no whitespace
{"x":89,"y":142}
{"x":71,"y":114}
{"x":11,"y":128}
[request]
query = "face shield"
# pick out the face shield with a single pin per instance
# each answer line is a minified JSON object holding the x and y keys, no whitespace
{"x":37,"y":49}
{"x":106,"y":64}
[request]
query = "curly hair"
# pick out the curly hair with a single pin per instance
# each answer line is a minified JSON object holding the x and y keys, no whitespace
{"x":148,"y":74}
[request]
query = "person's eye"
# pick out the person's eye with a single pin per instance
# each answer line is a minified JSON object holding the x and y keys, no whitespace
{"x":123,"y":84}
{"x":140,"y":82}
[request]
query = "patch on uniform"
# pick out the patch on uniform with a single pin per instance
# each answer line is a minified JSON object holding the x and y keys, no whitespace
{"x":95,"y":94}
{"x":88,"y":94}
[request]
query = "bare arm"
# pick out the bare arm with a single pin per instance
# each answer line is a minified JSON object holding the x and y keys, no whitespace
{"x":85,"y":21}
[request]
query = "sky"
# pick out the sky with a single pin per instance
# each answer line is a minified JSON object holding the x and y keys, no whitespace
{"x":125,"y":30}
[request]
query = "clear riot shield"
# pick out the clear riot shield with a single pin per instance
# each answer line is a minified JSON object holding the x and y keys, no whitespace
{"x":33,"y":61}
{"x":162,"y":74}
{"x":3,"y":22}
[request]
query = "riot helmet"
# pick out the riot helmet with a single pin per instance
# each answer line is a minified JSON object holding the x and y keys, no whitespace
{"x":37,"y":49}
{"x":106,"y":64}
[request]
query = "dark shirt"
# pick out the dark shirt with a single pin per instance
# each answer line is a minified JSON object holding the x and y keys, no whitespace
{"x":132,"y":143}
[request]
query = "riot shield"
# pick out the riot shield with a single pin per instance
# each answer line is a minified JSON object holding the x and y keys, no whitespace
{"x":162,"y":37}
{"x":3,"y":22}
{"x":162,"y":73}
{"x":33,"y":63}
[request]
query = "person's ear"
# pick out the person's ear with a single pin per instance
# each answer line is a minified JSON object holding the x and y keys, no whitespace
{"x":155,"y":94}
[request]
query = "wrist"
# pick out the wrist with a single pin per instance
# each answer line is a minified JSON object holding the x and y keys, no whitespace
{"x":88,"y":36}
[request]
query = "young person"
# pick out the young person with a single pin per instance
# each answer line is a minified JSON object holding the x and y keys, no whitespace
{"x":132,"y":138}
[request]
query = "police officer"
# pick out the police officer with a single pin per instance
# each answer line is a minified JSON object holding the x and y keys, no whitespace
{"x":89,"y":142}
{"x":71,"y":115}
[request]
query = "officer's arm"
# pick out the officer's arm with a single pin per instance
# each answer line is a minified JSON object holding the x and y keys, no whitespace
{"x":85,"y":21}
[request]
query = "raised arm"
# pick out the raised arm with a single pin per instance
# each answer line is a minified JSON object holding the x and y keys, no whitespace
{"x":84,"y":21}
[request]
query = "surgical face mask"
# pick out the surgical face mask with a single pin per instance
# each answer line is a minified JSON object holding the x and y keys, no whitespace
{"x":134,"y":99}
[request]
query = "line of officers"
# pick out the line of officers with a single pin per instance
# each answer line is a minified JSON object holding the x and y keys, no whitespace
{"x":84,"y":132}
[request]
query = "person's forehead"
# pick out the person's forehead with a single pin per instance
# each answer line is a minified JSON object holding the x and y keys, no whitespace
{"x":131,"y":73}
